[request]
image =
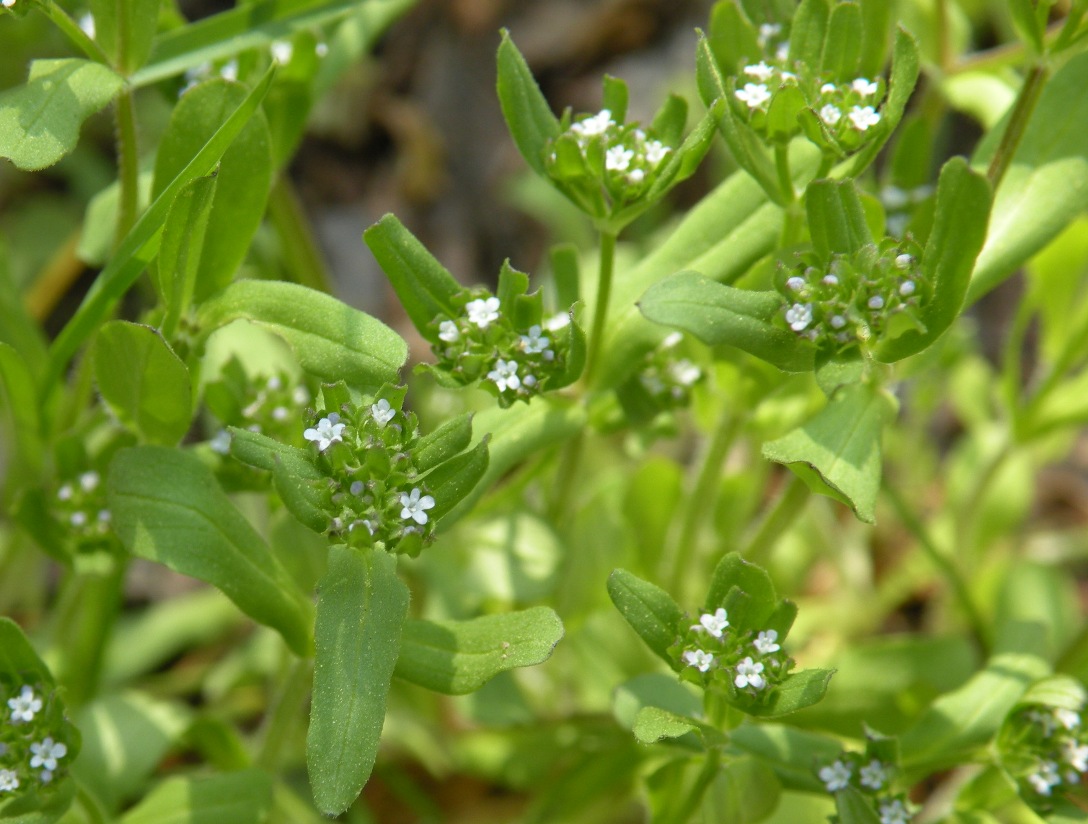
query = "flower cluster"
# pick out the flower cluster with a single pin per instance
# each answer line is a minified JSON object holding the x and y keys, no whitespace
{"x":667,"y":378}
{"x":483,"y":343}
{"x":269,"y":405}
{"x":744,"y":664}
{"x":375,"y":494}
{"x":854,"y":299}
{"x":1050,"y":753}
{"x":872,"y":775}
{"x":622,"y":158}
{"x":80,"y":505}
{"x":33,"y":747}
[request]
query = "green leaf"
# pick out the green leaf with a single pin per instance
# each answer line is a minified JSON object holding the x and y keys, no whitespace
{"x":267,"y":453}
{"x":126,"y":30}
{"x":838,"y":452}
{"x":142,"y":242}
{"x":167,"y":507}
{"x":842,"y":47}
{"x":242,"y":180}
{"x":791,"y":752}
{"x":451,"y":438}
{"x":654,"y":689}
{"x":959,"y":229}
{"x":423,"y":285}
{"x":453,"y":480}
{"x":241,"y":798}
{"x":1028,"y":25}
{"x":144,"y":383}
{"x":21,"y":398}
{"x":182,"y":247}
{"x":18,"y":328}
{"x":732,"y":40}
{"x":653,"y":724}
{"x":614,"y":98}
{"x":650,"y":611}
{"x":330,"y":339}
{"x":566,"y":275}
{"x":527,"y":113}
{"x":718,"y":314}
{"x":1046,"y":185}
{"x":753,"y":581}
{"x":39,"y":122}
{"x":836,"y":218}
{"x":361,"y":609}
{"x":903,"y":77}
{"x":786,"y":104}
{"x":799,"y":690}
{"x":808,"y":33}
{"x":855,"y":808}
{"x":458,"y":657}
{"x":17,"y":656}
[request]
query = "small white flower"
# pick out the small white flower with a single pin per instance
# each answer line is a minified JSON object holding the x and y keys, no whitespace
{"x":795,"y":283}
{"x":229,"y":70}
{"x":903,"y":261}
{"x":618,"y":159}
{"x":767,"y":642}
{"x":1044,"y":720}
{"x":863,"y":117}
{"x":78,"y":519}
{"x":838,"y":321}
{"x":327,"y":432}
{"x":482,"y":311}
{"x":873,"y":775}
{"x":534,"y":342}
{"x":864,"y":86}
{"x":1076,"y":755}
{"x":9,"y":779}
{"x":684,"y":372}
{"x":672,"y":339}
{"x":280,"y":413}
{"x":830,"y":114}
{"x":382,"y":412}
{"x":505,"y":375}
{"x":830,"y":280}
{"x":448,"y":331}
{"x":220,"y":442}
{"x":876,"y":302}
{"x":356,"y":488}
{"x":702,"y":661}
{"x":836,"y":777}
{"x":799,"y":316}
{"x":24,"y":705}
{"x":321,"y":49}
{"x":529,"y":381}
{"x":557,"y":322}
{"x":786,"y":75}
{"x":88,"y":481}
{"x":104,"y":516}
{"x":828,"y":88}
{"x":595,"y":125}
{"x":748,"y":674}
{"x":894,"y":812}
{"x":281,"y":51}
{"x":1067,"y":718}
{"x":1045,"y":778}
{"x":655,"y":152}
{"x":414,"y":506}
{"x":636,"y":176}
{"x":64,"y":493}
{"x":47,"y":753}
{"x":760,"y":71}
{"x":300,"y":395}
{"x":7,"y":4}
{"x":753,"y":95}
{"x":86,"y":24}
{"x":274,"y":384}
{"x":766,"y":32}
{"x":714,"y":623}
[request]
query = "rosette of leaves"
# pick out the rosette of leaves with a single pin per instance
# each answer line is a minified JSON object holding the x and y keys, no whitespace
{"x":369,"y":479}
{"x":504,"y":342}
{"x":863,"y":783}
{"x":610,"y":169}
{"x":821,"y":81}
{"x":732,"y":649}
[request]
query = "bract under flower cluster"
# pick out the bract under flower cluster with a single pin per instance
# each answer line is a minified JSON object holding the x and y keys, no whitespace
{"x":854,"y":299}
{"x":33,"y":749}
{"x":1048,"y":753}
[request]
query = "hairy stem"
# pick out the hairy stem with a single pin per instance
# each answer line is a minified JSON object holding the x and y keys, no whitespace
{"x":284,"y":713}
{"x":604,"y":292}
{"x":1018,"y":122}
{"x":128,"y":164}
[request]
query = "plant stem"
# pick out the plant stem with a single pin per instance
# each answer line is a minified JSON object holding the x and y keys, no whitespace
{"x":782,"y":166}
{"x":72,"y":31}
{"x":300,"y":252}
{"x":604,"y":292}
{"x":284,"y":713}
{"x":943,"y":564}
{"x":569,"y":461}
{"x":128,"y":164}
{"x":1018,"y":121}
{"x":702,"y":496}
{"x":778,"y":520}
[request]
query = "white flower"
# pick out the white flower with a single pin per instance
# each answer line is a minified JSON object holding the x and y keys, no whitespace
{"x":300,"y":395}
{"x":684,"y":372}
{"x":894,"y":812}
{"x":903,"y":261}
{"x":24,"y":705}
{"x":557,"y":322}
{"x":597,"y":124}
{"x":873,"y":775}
{"x":753,"y":95}
{"x":767,"y":642}
{"x":104,"y":516}
{"x":414,"y":506}
{"x":863,"y":117}
{"x":799,"y":316}
{"x":864,"y":86}
{"x":229,"y":70}
{"x":618,"y":159}
{"x":906,"y":288}
{"x":836,"y":777}
{"x":672,"y":339}
{"x":281,"y":51}
{"x":47,"y":753}
{"x":482,"y":312}
{"x":86,"y":23}
{"x":636,"y":176}
{"x":321,"y":49}
{"x":760,"y":71}
{"x":714,"y":624}
{"x":327,"y":432}
{"x":1076,"y":755}
{"x":876,"y":302}
{"x":748,"y":674}
{"x":356,"y":488}
{"x":1044,"y":720}
{"x":382,"y":412}
{"x":655,"y":152}
{"x":505,"y":375}
{"x":448,"y":331}
{"x":702,"y":661}
{"x":9,"y":779}
{"x":220,"y":442}
{"x":766,"y":32}
{"x":64,"y":493}
{"x":88,"y":481}
{"x":1067,"y":718}
{"x":830,"y":114}
{"x":7,"y":4}
{"x":274,"y":384}
{"x":830,"y":280}
{"x":795,"y":283}
{"x":828,"y":88}
{"x":78,"y":519}
{"x":534,"y":342}
{"x":1045,"y":778}
{"x":280,"y":413}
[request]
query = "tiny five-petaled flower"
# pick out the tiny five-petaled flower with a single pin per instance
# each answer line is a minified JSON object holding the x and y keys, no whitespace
{"x":24,"y":705}
{"x":535,"y":341}
{"x":767,"y":642}
{"x":749,"y":674}
{"x":864,"y":86}
{"x":830,"y":114}
{"x":328,"y":431}
{"x":863,"y":117}
{"x":597,"y":124}
{"x":753,"y":95}
{"x":1045,"y":778}
{"x":9,"y":779}
{"x":699,"y":659}
{"x":47,"y":753}
{"x":482,"y":311}
{"x":894,"y":812}
{"x":618,"y":159}
{"x":799,"y":316}
{"x":714,"y":624}
{"x":873,"y":775}
{"x":760,"y":71}
{"x":382,"y":412}
{"x":505,"y":375}
{"x":836,"y":776}
{"x":448,"y":331}
{"x":414,"y":506}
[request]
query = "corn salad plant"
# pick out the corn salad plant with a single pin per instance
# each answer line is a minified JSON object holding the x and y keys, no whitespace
{"x":734,"y":517}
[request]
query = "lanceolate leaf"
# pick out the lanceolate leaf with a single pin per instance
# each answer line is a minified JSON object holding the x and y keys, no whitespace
{"x":360,"y":614}
{"x":240,"y":797}
{"x":650,"y":611}
{"x":527,"y":113}
{"x":835,"y":217}
{"x":39,"y":122}
{"x":458,"y":657}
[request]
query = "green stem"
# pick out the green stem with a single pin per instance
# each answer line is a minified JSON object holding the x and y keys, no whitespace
{"x":1018,"y":122}
{"x":604,"y":292}
{"x":300,"y":252}
{"x":90,"y":805}
{"x":72,"y":31}
{"x":968,"y":515}
{"x":569,"y":461}
{"x":128,"y":164}
{"x":284,"y":714}
{"x":782,"y":166}
{"x":778,"y":520}
{"x":943,"y":564}
{"x":700,"y":502}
